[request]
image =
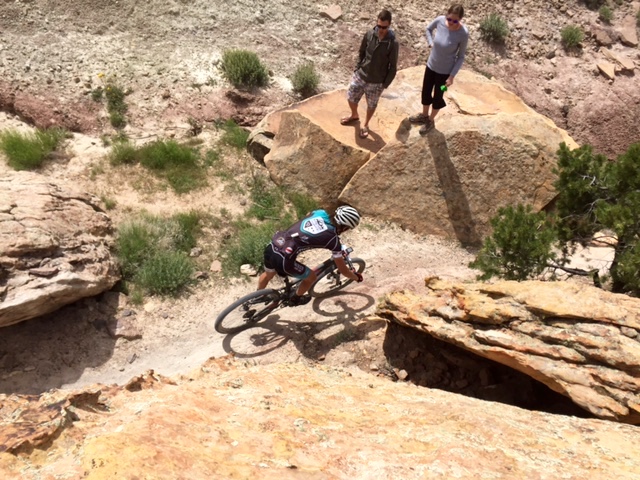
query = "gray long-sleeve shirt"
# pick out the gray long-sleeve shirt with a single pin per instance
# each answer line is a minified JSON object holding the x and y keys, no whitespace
{"x":448,"y":47}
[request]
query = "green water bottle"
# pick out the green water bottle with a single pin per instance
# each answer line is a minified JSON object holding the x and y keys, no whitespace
{"x":443,"y":88}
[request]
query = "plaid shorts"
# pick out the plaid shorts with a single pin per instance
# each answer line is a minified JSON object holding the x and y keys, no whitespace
{"x":371,"y":91}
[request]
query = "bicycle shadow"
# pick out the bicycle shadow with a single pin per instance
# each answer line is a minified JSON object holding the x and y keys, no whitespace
{"x":313,"y":339}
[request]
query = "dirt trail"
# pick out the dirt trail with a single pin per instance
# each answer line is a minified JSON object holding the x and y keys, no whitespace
{"x":72,"y":348}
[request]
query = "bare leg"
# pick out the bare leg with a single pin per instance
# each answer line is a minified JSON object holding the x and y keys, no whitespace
{"x":368,"y":117}
{"x":305,"y":285}
{"x":354,"y":109}
{"x":434,"y":112}
{"x":264,"y":279}
{"x":425,"y":110}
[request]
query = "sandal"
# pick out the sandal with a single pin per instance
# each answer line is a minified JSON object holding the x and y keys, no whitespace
{"x":364,"y":132}
{"x":348,"y":120}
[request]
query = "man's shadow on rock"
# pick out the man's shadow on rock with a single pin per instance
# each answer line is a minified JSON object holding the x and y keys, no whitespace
{"x":372,"y":142}
{"x":276,"y":330}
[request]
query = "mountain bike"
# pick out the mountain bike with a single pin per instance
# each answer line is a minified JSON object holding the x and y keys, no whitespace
{"x":252,"y":308}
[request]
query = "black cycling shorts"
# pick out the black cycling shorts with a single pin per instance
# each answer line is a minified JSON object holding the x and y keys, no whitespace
{"x":275,"y":261}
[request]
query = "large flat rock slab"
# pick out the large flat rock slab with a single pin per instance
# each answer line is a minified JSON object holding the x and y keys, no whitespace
{"x":54,"y":247}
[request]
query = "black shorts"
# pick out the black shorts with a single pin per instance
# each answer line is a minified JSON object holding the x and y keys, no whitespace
{"x":431,"y":93}
{"x":284,"y":266}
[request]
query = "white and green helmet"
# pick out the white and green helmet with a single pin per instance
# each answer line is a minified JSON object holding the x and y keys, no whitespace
{"x":347,"y":216}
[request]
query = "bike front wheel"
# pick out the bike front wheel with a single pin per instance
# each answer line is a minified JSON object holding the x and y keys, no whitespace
{"x":331,"y":280}
{"x":247,"y":311}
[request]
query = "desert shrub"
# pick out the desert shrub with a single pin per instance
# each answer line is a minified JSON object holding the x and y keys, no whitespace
{"x":188,"y":228}
{"x":305,"y":80}
{"x":123,"y":153}
{"x":519,"y":247}
{"x":165,"y":273}
{"x":246,"y":246}
{"x":638,"y":18}
{"x":267,"y":200}
{"x":27,"y":151}
{"x":164,"y":154}
{"x":153,"y":251}
{"x":234,"y":135}
{"x":605,"y":14}
{"x":571,"y":36}
{"x":178,"y":164}
{"x":117,"y":120}
{"x":109,"y":203}
{"x":243,"y":68}
{"x":115,"y":95}
{"x":302,"y":203}
{"x":493,"y":28}
{"x":96,"y":94}
{"x":594,"y":194}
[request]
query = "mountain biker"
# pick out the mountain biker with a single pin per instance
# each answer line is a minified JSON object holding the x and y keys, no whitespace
{"x":314,"y":231}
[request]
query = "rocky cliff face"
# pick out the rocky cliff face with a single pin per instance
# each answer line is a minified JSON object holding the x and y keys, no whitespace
{"x":54,"y":247}
{"x":230,"y":420}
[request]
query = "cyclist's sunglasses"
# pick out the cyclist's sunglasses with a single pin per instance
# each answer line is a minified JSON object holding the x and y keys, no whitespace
{"x":451,"y":20}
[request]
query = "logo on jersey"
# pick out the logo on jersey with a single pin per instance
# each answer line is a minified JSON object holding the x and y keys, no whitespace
{"x":314,"y":225}
{"x":279,"y":241}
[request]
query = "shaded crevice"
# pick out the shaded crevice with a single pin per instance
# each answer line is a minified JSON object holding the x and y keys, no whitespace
{"x":432,"y":363}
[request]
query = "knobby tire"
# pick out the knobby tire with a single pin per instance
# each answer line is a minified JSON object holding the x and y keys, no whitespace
{"x":246,"y":311}
{"x":319,"y":289}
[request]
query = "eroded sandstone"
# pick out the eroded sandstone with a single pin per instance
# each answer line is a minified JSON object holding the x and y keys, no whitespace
{"x":578,"y":340}
{"x":54,"y":247}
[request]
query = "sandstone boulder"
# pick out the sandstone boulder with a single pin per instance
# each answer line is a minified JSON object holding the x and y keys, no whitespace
{"x":488,"y":150}
{"x":580,"y":341}
{"x":298,"y":421}
{"x":54,"y":247}
{"x":306,"y":158}
{"x":607,"y":69}
{"x":628,"y":32}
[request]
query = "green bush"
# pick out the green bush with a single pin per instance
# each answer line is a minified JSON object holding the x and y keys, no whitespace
{"x":164,"y":154}
{"x":519,"y":247}
{"x":594,"y":194}
{"x":244,"y":69}
{"x":123,"y":153}
{"x":267,"y":200}
{"x":165,"y":273}
{"x":494,"y":29}
{"x":302,"y":203}
{"x":117,"y":120}
{"x":234,"y":135}
{"x":27,"y":151}
{"x":246,"y":246}
{"x":153,"y":251}
{"x":571,"y":35}
{"x":605,"y":14}
{"x":305,"y":80}
{"x":178,"y":164}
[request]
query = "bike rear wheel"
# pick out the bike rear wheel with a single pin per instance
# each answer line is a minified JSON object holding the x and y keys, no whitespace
{"x":247,"y":311}
{"x":331,"y":280}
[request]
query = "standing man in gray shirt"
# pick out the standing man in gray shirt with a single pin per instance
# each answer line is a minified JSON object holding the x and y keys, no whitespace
{"x":448,"y":48}
{"x":376,"y":69}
